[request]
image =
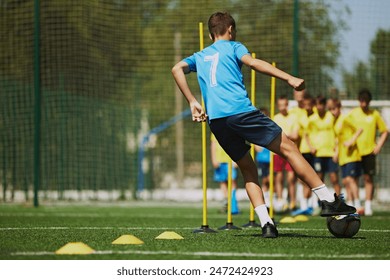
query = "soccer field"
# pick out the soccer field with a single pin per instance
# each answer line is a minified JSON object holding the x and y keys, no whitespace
{"x":29,"y":233}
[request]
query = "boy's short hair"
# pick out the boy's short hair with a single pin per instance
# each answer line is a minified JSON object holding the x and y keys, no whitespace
{"x":307,"y":96}
{"x":282,"y":97}
{"x":336,"y":102}
{"x":219,"y":23}
{"x":365,"y":95}
{"x":321,"y":100}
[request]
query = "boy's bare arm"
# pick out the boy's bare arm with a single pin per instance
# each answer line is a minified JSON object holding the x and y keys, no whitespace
{"x":266,"y":68}
{"x":381,"y":141}
{"x":178,"y":72}
{"x":354,"y":138}
{"x":311,"y":147}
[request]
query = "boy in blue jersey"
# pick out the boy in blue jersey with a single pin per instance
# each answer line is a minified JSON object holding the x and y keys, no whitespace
{"x":235,"y":121}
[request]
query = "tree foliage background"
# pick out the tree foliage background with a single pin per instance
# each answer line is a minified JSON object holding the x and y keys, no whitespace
{"x":106,"y":81}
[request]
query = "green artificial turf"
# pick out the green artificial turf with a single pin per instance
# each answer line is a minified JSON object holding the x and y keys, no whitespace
{"x":36,"y":233}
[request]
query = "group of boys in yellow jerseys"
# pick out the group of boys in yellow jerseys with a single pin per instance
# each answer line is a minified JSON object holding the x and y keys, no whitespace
{"x":329,"y":139}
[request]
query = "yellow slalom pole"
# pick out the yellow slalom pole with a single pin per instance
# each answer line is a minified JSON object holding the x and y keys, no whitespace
{"x":229,"y":187}
{"x":204,"y":145}
{"x":204,"y":228}
{"x":271,"y":163}
{"x":253,"y":99}
{"x":201,"y":42}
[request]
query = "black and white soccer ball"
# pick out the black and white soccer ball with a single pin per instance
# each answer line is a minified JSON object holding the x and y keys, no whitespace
{"x":344,"y":226}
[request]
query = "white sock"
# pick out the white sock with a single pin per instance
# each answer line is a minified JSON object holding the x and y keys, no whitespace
{"x":264,"y":217}
{"x":367,"y":204}
{"x":323,"y":193}
{"x":314,"y":202}
{"x":304,"y":204}
{"x":357,"y":203}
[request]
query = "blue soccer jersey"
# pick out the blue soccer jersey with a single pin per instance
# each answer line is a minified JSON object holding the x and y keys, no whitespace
{"x":221,"y":82}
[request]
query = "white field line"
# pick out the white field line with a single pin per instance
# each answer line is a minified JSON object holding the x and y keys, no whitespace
{"x":97,"y":215}
{"x":281,"y":229}
{"x":94,"y":228}
{"x":104,"y":215}
{"x":216,"y":254}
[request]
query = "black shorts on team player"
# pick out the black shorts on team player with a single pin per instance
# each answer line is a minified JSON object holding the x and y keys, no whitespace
{"x":235,"y":131}
{"x":368,"y":164}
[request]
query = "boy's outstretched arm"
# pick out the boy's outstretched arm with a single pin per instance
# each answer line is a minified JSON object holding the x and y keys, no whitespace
{"x":178,"y":72}
{"x":381,"y":141}
{"x":266,"y":68}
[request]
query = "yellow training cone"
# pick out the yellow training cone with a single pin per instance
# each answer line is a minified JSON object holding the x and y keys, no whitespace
{"x":127,"y":239}
{"x":287,"y":220}
{"x":301,"y":218}
{"x":75,"y":248}
{"x":169,"y":235}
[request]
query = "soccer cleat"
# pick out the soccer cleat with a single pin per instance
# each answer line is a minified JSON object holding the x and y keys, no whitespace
{"x":269,"y":231}
{"x":337,"y":207}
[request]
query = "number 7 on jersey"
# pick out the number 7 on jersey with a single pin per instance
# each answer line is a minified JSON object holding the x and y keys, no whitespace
{"x":213,"y":69}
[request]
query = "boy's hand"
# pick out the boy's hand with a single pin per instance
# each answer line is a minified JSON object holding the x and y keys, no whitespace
{"x":198,"y":115}
{"x":348,"y":143}
{"x":296,"y":83}
{"x":376,"y":150}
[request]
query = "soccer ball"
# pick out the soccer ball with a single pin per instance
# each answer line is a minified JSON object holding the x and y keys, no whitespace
{"x":344,"y":226}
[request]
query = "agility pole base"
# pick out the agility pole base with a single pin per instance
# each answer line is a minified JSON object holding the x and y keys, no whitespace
{"x":204,"y":229}
{"x":229,"y":226}
{"x":251,"y":224}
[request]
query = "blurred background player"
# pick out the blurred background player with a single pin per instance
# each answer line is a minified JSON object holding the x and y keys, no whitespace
{"x":299,"y":96}
{"x":220,"y":161}
{"x":308,"y":106}
{"x":369,"y":147}
{"x":321,"y":140}
{"x":349,"y":159}
{"x":289,"y":124}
